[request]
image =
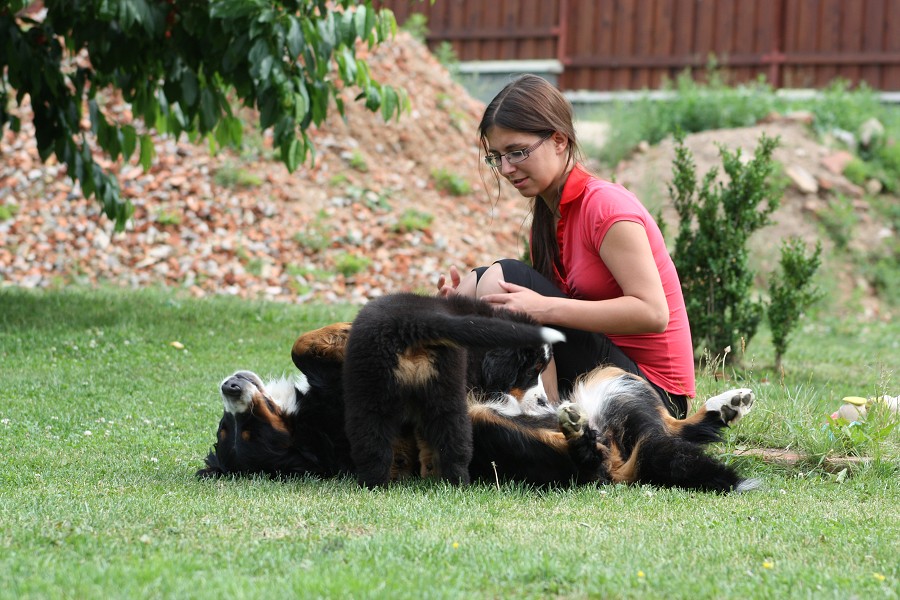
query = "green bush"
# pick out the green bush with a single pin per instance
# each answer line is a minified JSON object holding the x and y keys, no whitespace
{"x":715,"y":224}
{"x":349,"y":265}
{"x":694,"y":107}
{"x":791,"y":292}
{"x":413,"y":220}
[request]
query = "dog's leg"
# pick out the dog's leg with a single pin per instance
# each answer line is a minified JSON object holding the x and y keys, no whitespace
{"x":447,"y":447}
{"x":731,"y":405}
{"x":590,"y":456}
{"x":705,"y":426}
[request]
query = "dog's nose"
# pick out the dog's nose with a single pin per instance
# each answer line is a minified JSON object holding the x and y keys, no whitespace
{"x":231,"y":387}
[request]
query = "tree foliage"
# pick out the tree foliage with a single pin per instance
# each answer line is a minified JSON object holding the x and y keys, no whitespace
{"x":180,"y":64}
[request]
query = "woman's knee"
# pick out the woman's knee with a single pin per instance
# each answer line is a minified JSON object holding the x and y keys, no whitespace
{"x":489,"y":282}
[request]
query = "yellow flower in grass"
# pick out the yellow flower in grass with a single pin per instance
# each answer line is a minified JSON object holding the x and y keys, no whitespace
{"x":768,"y":565}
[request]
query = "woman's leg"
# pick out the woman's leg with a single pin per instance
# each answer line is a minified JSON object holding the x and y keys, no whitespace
{"x":583,"y":350}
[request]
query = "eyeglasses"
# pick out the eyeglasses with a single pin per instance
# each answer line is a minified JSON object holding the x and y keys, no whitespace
{"x":494,"y":160}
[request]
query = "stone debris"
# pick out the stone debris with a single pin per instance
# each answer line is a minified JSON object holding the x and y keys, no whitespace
{"x":370,"y":215}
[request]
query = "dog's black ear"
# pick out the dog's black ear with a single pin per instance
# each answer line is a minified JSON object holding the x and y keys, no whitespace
{"x":498,"y":370}
{"x":213,"y":468}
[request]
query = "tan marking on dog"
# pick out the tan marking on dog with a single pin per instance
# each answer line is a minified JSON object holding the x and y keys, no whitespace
{"x":415,"y":367}
{"x":245,"y":435}
{"x":406,"y":452}
{"x":621,"y":471}
{"x":223,"y":434}
{"x":517,"y":393}
{"x":327,"y":342}
{"x":553,"y":438}
{"x":675,"y":426}
{"x":429,"y":459}
{"x":265,"y":410}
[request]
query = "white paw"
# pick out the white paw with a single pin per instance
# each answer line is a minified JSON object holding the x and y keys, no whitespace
{"x":731,"y":405}
{"x":572,"y":420}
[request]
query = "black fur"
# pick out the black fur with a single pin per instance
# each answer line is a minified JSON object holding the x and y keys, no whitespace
{"x":264,"y":439}
{"x":406,"y":361}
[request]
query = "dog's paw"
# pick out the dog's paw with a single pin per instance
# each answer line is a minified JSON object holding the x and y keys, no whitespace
{"x":572,"y":421}
{"x":731,"y":405}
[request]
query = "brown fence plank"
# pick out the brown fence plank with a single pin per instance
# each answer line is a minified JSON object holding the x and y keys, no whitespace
{"x":631,"y":44}
{"x":873,"y":40}
{"x":890,"y":79}
{"x":851,"y":36}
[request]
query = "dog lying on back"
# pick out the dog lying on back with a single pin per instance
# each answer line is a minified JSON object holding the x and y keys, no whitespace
{"x":411,"y":360}
{"x":614,"y":428}
{"x":296,"y":426}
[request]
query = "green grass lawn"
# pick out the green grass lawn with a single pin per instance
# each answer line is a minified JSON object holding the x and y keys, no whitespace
{"x":103,"y":423}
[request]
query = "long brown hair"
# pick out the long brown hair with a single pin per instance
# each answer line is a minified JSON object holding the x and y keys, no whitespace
{"x":531,"y":104}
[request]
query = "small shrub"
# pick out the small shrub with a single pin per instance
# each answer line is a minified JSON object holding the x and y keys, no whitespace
{"x":694,"y":107}
{"x":315,"y":236}
{"x":413,"y":220}
{"x":350,"y":264}
{"x":416,"y":25}
{"x":839,"y":220}
{"x":791,"y":293}
{"x":230,"y":176}
{"x":338,"y":180}
{"x":446,"y":55}
{"x":840,"y":107}
{"x":857,"y":171}
{"x":715,"y":224}
{"x":450,"y":183}
{"x":8,"y":211}
{"x":358,"y":161}
{"x":168,"y":217}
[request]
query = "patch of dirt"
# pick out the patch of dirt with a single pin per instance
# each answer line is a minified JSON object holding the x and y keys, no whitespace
{"x":368,"y":217}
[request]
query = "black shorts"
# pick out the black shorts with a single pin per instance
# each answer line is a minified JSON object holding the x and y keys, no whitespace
{"x":583,"y":350}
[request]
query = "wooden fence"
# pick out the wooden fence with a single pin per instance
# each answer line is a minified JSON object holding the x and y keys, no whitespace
{"x":636,"y":44}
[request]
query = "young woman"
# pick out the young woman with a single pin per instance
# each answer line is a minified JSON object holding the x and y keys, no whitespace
{"x":601,"y":271}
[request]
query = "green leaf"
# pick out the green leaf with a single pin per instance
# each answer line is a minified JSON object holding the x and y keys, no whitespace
{"x":129,"y":141}
{"x":290,"y":154}
{"x":147,"y":151}
{"x":388,"y":103}
{"x":294,"y":39}
{"x":188,"y":88}
{"x":209,"y":110}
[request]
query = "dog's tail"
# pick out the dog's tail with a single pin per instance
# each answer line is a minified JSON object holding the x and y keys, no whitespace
{"x":671,"y":461}
{"x":473,"y":331}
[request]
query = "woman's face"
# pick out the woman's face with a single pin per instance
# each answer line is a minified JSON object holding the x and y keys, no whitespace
{"x":540,"y":173}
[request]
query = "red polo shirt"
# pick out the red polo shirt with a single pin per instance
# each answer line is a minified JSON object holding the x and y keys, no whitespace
{"x":588,"y":208}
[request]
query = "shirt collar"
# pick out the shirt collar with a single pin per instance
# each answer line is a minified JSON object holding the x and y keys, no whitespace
{"x":575,"y":184}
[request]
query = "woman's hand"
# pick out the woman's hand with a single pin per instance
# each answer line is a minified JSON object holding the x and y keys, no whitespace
{"x":445,"y":289}
{"x":519,"y":299}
